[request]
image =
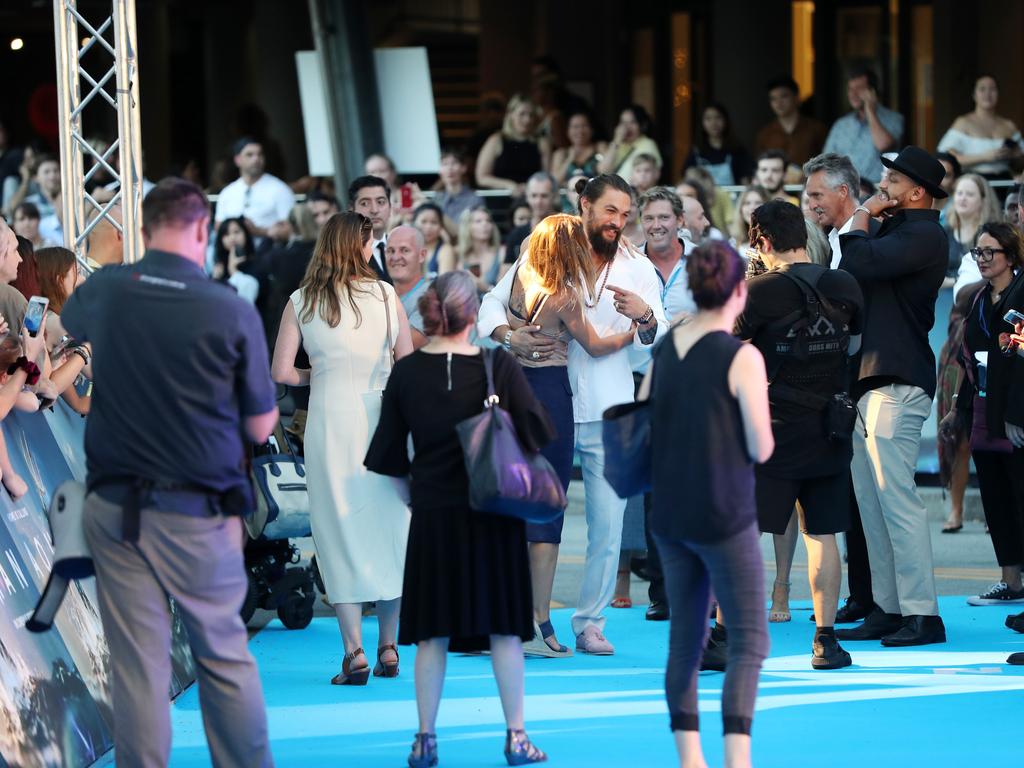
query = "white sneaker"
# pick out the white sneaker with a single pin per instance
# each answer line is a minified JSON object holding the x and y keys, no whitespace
{"x":998,"y":594}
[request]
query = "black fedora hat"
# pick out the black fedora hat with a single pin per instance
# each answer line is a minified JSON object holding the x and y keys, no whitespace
{"x":919,"y":165}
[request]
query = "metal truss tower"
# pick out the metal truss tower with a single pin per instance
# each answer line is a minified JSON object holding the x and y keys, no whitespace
{"x":115,"y":38}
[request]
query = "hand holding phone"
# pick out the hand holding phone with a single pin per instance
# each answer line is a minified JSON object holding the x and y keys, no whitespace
{"x":35,"y":314}
{"x":1013,"y":317}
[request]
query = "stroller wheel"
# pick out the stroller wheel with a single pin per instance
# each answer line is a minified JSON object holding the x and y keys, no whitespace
{"x":296,"y":612}
{"x":249,"y":604}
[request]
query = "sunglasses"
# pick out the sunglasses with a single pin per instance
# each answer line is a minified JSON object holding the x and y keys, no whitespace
{"x":983,"y":255}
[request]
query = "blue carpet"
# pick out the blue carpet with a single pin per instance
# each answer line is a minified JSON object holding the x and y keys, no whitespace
{"x":952,"y":705}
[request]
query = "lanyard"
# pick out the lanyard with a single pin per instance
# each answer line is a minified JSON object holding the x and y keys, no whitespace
{"x":671,"y":279}
{"x":981,"y":318}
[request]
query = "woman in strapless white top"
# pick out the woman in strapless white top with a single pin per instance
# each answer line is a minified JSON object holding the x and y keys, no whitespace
{"x":983,"y":141}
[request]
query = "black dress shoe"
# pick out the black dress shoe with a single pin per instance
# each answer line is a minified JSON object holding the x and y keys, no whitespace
{"x":877,"y":625}
{"x":1016,"y":622}
{"x":917,"y":630}
{"x":826,"y":653}
{"x":658,"y":611}
{"x":716,"y":653}
{"x":852,"y":611}
{"x":1016,"y":658}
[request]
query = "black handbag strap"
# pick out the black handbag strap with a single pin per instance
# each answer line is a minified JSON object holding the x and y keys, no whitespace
{"x":492,"y":396}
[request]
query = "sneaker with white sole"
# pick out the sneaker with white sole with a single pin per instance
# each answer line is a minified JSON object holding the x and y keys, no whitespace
{"x":591,"y":641}
{"x":997,"y":594}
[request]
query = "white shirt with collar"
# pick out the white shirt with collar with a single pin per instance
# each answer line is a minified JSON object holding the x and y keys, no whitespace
{"x":676,"y":298}
{"x":833,"y":240}
{"x":597,"y":382}
{"x":266,"y":201}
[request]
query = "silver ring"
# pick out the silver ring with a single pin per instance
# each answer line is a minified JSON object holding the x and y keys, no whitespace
{"x":535,"y":355}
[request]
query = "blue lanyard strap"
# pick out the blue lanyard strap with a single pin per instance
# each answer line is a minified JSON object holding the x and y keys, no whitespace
{"x":671,"y":279}
{"x":981,"y":318}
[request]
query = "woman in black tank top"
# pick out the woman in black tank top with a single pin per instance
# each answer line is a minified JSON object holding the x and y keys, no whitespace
{"x":710,"y":423}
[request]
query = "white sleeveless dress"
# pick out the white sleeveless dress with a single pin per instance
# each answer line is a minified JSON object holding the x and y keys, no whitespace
{"x":359,"y":523}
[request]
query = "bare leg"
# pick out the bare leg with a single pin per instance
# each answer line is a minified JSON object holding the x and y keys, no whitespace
{"x":507,"y":661}
{"x":958,"y":485}
{"x":350,"y":620}
{"x":785,"y":548}
{"x":543,"y":559}
{"x":824,"y":572}
{"x":737,"y":750}
{"x":1011,"y":576}
{"x":688,"y":746}
{"x":431,"y":660}
{"x":387,"y":622}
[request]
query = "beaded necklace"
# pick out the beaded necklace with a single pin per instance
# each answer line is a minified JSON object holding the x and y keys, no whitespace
{"x":600,"y":290}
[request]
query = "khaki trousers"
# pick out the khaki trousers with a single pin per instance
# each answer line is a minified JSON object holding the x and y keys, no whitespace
{"x":198,"y":562}
{"x":894,"y":517}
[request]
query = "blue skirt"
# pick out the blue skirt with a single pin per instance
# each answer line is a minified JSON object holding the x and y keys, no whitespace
{"x":551,"y":387}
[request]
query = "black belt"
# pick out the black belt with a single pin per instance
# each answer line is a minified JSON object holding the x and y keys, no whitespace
{"x":139,"y":495}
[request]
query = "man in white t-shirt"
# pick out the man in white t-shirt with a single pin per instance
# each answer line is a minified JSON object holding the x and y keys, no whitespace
{"x":262,"y":200}
{"x":627,"y":291}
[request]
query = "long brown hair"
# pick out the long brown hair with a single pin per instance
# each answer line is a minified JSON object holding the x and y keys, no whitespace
{"x":337,"y":265}
{"x":52,"y":267}
{"x":560,"y":255}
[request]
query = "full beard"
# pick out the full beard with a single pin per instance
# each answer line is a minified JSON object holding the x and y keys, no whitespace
{"x":602,"y":246}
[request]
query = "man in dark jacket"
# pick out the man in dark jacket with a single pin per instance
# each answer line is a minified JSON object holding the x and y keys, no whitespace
{"x":900,"y":270}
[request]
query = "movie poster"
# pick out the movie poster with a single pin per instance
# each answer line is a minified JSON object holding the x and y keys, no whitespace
{"x":48,"y":716}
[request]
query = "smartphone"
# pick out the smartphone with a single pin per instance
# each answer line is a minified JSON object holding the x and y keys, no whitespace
{"x":1013,"y":317}
{"x":406,"y":190}
{"x":36,"y":314}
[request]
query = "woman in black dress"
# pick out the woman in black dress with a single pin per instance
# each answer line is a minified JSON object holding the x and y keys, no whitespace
{"x":467,"y":574}
{"x":709,"y":423}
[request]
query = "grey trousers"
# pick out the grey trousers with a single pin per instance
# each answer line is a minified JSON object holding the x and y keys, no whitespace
{"x":894,"y":517}
{"x":197,"y":561}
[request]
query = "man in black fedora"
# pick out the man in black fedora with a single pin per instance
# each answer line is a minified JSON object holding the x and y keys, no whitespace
{"x":900,"y":269}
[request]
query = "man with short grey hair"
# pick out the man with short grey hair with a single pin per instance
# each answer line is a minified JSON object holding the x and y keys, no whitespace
{"x":406,"y":253}
{"x":832,"y":184}
{"x":541,"y":191}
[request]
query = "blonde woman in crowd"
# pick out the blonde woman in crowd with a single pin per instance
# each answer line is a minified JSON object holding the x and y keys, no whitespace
{"x":478,"y":247}
{"x":739,"y":228}
{"x":510,"y":156}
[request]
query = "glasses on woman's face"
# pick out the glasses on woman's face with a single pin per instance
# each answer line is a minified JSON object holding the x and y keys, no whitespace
{"x":984,"y":255}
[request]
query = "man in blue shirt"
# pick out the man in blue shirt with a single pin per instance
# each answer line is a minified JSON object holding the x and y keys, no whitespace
{"x":181,"y":380}
{"x":868,"y":130}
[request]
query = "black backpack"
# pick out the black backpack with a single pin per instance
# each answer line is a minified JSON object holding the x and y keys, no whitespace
{"x":806,"y":334}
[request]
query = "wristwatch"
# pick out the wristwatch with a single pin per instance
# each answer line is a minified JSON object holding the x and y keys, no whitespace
{"x":646,"y":317}
{"x":507,"y":341}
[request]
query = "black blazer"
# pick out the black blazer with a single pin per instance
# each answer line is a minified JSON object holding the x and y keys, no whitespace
{"x":900,"y":269}
{"x":1004,"y":393}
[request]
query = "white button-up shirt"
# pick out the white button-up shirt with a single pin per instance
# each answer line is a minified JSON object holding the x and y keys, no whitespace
{"x":266,"y":201}
{"x":833,"y":240}
{"x":597,"y":382}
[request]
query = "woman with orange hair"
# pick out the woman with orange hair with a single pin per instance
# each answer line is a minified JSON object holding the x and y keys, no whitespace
{"x":547,"y":294}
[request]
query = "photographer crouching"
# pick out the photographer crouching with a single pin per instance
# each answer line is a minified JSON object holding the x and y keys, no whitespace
{"x":182,"y":380}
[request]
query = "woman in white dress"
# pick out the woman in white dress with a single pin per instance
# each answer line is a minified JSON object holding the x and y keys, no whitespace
{"x":349,"y":323}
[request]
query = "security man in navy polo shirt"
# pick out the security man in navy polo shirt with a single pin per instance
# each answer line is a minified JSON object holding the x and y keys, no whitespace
{"x":181,"y":381}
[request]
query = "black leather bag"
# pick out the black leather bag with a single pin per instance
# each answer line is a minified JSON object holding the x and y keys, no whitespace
{"x":626,"y":434}
{"x":504,"y":479}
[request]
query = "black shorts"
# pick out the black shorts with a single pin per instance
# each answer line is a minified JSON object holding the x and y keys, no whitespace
{"x":824,"y":503}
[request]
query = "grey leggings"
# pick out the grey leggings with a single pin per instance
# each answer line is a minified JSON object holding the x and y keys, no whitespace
{"x":733,"y":569}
